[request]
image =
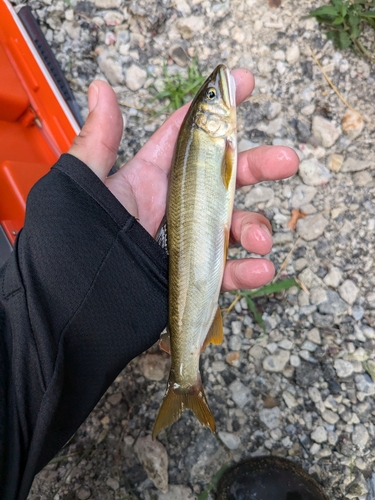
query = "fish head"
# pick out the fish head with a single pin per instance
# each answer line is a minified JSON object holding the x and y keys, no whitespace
{"x":214,"y":107}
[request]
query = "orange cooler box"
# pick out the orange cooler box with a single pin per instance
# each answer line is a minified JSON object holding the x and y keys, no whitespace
{"x":39,"y":117}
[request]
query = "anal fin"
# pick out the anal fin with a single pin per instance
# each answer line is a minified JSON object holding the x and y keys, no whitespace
{"x":215,"y":334}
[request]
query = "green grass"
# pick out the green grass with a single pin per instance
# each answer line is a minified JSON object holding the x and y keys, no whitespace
{"x":213,"y":483}
{"x":345,"y":22}
{"x":264,"y":291}
{"x":179,"y":89}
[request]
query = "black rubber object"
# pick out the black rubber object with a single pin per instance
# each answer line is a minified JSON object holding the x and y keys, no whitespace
{"x":268,"y":478}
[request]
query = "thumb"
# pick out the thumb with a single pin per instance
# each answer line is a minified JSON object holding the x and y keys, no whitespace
{"x":100,"y":137}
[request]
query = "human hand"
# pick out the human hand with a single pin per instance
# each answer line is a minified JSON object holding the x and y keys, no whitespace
{"x":141,"y":184}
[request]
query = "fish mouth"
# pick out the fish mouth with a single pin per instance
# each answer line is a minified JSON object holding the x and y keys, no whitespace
{"x":227,"y":86}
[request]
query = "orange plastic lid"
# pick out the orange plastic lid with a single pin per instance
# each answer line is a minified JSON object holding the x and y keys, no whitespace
{"x":36,"y":125}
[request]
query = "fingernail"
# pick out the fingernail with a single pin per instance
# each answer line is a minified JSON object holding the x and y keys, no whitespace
{"x":266,"y":228}
{"x":93,"y":97}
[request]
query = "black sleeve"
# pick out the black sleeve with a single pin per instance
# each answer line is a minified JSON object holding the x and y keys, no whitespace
{"x":83,"y":293}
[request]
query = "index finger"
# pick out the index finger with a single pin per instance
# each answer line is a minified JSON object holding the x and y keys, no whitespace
{"x":266,"y":163}
{"x":159,"y":148}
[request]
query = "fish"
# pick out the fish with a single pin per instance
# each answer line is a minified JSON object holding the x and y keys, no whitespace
{"x":198,"y":218}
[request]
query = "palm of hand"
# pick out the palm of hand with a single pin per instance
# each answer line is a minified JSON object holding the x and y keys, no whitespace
{"x":141,"y":184}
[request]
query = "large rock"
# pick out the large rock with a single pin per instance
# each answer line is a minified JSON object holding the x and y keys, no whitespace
{"x":154,"y":459}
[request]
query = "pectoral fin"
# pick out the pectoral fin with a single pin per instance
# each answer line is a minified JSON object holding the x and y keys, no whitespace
{"x":165,"y":342}
{"x":162,"y":235}
{"x":215,"y":334}
{"x":228,"y":163}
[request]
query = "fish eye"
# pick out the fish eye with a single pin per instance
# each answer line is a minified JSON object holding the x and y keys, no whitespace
{"x":211,"y":93}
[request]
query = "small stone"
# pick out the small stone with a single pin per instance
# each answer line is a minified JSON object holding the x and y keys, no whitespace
{"x":314,"y":394}
{"x":281,"y":67}
{"x":189,"y":26}
{"x":333,"y":278}
{"x":317,"y":295}
{"x":352,"y":124}
{"x":113,"y":18}
{"x":282,"y":238}
{"x":233,"y":358}
{"x":73,"y":29}
{"x":230,"y":440}
{"x":83,"y":494}
{"x":110,"y":65}
{"x":235,"y":343}
{"x":311,"y":227}
{"x":289,"y":399}
{"x":276,"y":362}
{"x":279,"y":55}
{"x":154,"y":366}
{"x":362,"y":179}
{"x":273,"y":110}
{"x":365,"y":385}
{"x":360,"y":436}
{"x":335,"y":162}
{"x":325,"y":131}
{"x":300,"y":264}
{"x":313,"y":173}
{"x":309,"y":279}
{"x":308,"y":110}
{"x":343,"y":368}
{"x":112,"y":483}
{"x":333,"y":305}
{"x":286,"y":344}
{"x":295,"y":360}
{"x":309,"y":346}
{"x":135,"y":77}
{"x":323,"y":320}
{"x":178,"y":54}
{"x":314,"y":336}
{"x":107,"y":4}
{"x":258,"y":194}
{"x":154,"y":459}
{"x":271,"y":417}
{"x":241,"y":394}
{"x":182,"y":6}
{"x":115,"y":398}
{"x":315,"y":448}
{"x":330,"y":417}
{"x":319,"y":435}
{"x":176,"y":491}
{"x":218,"y":366}
{"x":355,"y":165}
{"x":236,"y":327}
{"x":302,"y":195}
{"x":292,"y":54}
{"x":348,"y":291}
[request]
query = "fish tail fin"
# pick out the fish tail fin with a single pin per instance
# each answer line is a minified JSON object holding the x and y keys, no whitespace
{"x":176,"y":400}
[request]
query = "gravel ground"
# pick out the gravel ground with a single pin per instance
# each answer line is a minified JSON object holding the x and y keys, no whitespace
{"x":305,"y":389}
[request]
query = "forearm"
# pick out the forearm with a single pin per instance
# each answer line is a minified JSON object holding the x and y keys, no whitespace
{"x":84,"y":292}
